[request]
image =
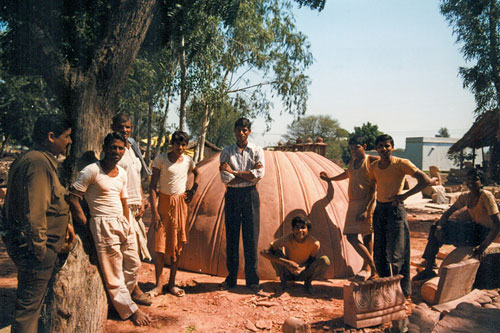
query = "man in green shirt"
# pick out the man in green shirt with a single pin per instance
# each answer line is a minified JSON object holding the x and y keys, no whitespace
{"x":35,"y":218}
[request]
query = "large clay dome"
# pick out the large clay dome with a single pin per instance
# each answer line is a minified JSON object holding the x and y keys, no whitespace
{"x":291,"y":186}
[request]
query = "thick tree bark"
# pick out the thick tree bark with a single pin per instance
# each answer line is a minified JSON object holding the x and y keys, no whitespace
{"x":77,"y":301}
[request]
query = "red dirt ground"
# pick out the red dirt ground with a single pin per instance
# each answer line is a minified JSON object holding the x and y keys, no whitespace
{"x":207,"y":309}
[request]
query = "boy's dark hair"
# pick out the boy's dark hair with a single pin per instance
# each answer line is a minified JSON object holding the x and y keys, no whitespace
{"x":243,"y":122}
{"x":357,"y":140}
{"x":180,"y":137}
{"x":384,"y":138}
{"x":475,"y":175}
{"x":49,"y":123}
{"x":114,"y":136}
{"x":300,"y":219}
{"x":120,"y":118}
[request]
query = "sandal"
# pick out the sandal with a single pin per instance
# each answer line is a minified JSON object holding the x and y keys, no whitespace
{"x":177,"y":291}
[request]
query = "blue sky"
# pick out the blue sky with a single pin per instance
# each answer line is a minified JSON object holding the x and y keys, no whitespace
{"x":393,"y":63}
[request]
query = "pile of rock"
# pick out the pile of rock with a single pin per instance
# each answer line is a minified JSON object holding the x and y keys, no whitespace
{"x":479,"y":313}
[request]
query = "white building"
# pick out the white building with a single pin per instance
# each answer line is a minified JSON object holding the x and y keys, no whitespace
{"x":427,"y":151}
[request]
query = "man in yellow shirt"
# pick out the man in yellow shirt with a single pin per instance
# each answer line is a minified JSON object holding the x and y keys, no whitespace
{"x":391,"y":248}
{"x":479,"y":232}
{"x":298,"y":262}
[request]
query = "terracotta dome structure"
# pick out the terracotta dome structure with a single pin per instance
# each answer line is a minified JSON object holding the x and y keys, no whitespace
{"x":291,"y":186}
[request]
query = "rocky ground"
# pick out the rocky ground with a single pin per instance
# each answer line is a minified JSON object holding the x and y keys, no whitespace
{"x":205,"y":308}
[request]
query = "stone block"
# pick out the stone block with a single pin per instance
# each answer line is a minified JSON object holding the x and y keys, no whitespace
{"x":428,"y":290}
{"x":374,"y":302}
{"x":456,"y":280}
{"x":424,"y":318}
{"x":295,"y":325}
{"x":488,"y":274}
{"x":469,"y":298}
{"x":469,"y":318}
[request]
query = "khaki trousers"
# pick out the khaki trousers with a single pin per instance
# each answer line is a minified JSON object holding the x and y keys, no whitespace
{"x":116,"y":245}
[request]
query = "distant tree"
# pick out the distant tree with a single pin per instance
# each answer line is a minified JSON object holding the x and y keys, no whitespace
{"x":476,"y":24}
{"x":323,"y":126}
{"x":443,"y":133}
{"x":369,"y":131}
{"x":313,"y":126}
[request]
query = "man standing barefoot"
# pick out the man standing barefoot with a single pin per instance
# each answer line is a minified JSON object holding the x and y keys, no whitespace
{"x":104,"y":185}
{"x":359,"y":215}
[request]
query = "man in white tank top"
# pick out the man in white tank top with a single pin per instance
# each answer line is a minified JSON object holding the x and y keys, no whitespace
{"x":104,"y":185}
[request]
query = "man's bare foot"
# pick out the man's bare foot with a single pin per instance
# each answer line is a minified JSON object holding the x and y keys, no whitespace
{"x":158,"y":290}
{"x":140,"y":318}
{"x":176,"y":291}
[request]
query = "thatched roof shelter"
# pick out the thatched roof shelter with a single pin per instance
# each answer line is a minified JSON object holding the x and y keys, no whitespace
{"x":483,"y":133}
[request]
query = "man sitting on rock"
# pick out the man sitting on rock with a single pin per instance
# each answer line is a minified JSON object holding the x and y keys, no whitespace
{"x":479,"y":232}
{"x":298,"y":262}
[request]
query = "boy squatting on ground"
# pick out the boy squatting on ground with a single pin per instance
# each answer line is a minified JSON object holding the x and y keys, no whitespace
{"x":478,"y":232}
{"x":104,"y":185}
{"x":169,"y":217}
{"x":298,"y":262}
{"x":359,"y":215}
{"x":391,"y":248}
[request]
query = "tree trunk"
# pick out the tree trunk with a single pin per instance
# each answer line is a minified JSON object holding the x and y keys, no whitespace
{"x":184,"y":92}
{"x":77,"y":300}
{"x":204,"y":128}
{"x":163,"y":122}
{"x":148,"y":148}
{"x":4,"y":143}
{"x":89,"y":96}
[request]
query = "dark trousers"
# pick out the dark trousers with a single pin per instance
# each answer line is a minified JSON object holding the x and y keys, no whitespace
{"x":466,"y":233}
{"x":242,"y":212}
{"x":315,"y":269}
{"x":391,"y":247}
{"x":32,"y":280}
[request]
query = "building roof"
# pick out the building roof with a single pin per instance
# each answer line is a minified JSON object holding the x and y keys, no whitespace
{"x":208,"y":144}
{"x":430,"y":139}
{"x":481,"y":134}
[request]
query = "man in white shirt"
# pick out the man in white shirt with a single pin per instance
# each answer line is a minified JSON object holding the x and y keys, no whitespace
{"x":241,"y":167}
{"x":104,"y":185}
{"x":134,"y":165}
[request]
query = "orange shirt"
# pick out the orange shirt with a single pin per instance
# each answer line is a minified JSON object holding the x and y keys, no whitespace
{"x":360,"y":182}
{"x":295,"y":251}
{"x":390,"y":181}
{"x":482,"y":211}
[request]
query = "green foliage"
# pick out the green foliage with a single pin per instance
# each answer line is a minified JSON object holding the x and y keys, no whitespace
{"x":151,"y":80}
{"x":443,"y":133}
{"x":76,"y":28}
{"x":220,"y":131}
{"x":369,"y":131}
{"x":22,"y":100}
{"x":476,"y":24}
{"x":323,"y":126}
{"x":258,"y":56}
{"x":335,"y":151}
